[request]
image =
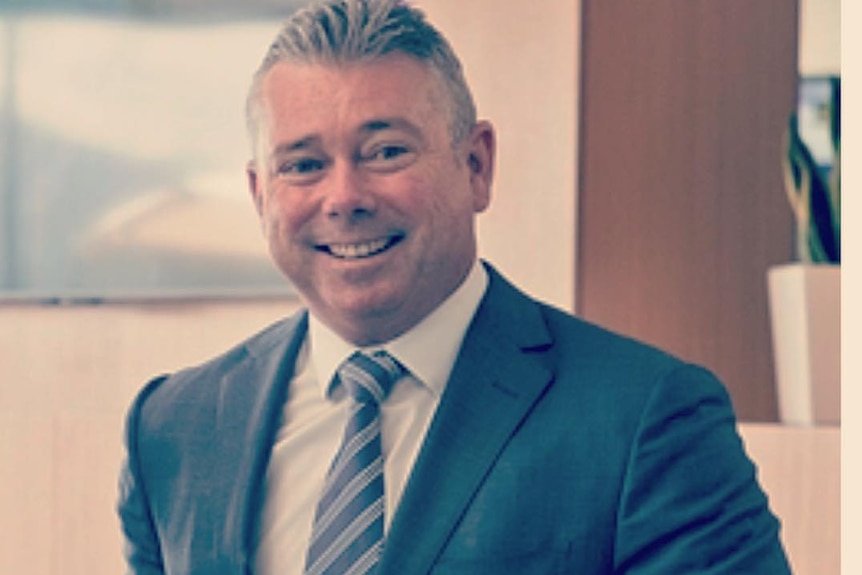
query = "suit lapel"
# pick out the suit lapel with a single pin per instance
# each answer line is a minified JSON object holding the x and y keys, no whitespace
{"x":496,"y":380}
{"x":251,"y":397}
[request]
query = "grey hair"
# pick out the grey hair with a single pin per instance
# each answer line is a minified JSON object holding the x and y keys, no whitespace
{"x":355,"y":31}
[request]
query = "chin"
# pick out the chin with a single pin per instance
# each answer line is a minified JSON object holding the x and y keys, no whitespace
{"x":373,"y":317}
{"x":371,"y":307}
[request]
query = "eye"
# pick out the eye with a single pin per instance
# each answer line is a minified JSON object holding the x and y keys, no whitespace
{"x":299,"y":166}
{"x":302,"y":170}
{"x":388,"y":152}
{"x":389,"y":157}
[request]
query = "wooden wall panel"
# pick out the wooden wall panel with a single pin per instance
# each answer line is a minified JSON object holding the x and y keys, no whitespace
{"x":681,"y":204}
{"x":800,"y":470}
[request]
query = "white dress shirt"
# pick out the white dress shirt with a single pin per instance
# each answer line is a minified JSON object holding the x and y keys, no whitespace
{"x":315,"y":414}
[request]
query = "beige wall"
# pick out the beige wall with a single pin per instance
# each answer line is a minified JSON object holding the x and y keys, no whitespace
{"x":520,"y":60}
{"x":69,"y":372}
{"x":819,"y":45}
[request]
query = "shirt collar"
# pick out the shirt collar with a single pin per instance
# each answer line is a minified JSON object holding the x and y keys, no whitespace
{"x":428,"y":350}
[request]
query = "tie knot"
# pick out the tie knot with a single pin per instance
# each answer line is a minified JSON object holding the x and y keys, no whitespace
{"x":370,"y":378}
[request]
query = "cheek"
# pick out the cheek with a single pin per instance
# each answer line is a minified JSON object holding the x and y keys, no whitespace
{"x":281,"y":215}
{"x":440,"y":192}
{"x":451,"y":204}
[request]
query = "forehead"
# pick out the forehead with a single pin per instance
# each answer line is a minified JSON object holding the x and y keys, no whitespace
{"x":301,"y":99}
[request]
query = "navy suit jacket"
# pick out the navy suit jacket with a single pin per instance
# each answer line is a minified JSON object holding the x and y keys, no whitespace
{"x":557,"y":447}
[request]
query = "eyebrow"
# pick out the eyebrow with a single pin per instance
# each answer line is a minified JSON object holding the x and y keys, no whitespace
{"x":369,"y":127}
{"x":300,"y":144}
{"x":397,"y":123}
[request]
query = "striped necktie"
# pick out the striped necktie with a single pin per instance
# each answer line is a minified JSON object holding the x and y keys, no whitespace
{"x":347,"y":537}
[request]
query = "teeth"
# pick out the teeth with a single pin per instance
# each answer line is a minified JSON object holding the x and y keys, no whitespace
{"x":350,"y":251}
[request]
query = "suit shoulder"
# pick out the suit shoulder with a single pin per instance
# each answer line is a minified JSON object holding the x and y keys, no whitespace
{"x":571,"y":342}
{"x":632,"y":371}
{"x":191,"y":383}
{"x":590,"y":342}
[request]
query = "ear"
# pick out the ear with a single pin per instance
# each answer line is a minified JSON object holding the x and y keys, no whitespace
{"x":482,"y":147}
{"x":255,"y":185}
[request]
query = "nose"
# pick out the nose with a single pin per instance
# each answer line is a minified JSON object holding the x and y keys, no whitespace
{"x":347,"y":195}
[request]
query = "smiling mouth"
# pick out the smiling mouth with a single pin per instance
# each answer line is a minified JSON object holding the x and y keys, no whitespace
{"x":360,"y":250}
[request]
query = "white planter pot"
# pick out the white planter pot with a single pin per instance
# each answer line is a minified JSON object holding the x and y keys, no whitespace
{"x":805,"y":307}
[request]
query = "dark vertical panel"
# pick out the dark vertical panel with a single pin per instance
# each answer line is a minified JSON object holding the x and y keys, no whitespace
{"x":681,"y":208}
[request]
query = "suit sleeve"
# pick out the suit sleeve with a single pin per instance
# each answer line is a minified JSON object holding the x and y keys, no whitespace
{"x":691,"y":502}
{"x":141,"y":543}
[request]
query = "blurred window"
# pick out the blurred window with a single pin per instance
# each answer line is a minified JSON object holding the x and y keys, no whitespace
{"x":123,"y":148}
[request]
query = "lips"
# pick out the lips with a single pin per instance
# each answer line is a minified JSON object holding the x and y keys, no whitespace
{"x":360,"y":250}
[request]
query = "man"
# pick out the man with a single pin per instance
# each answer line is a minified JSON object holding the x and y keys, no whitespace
{"x":515,"y":438}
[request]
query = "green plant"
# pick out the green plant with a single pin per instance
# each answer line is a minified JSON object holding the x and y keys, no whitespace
{"x":815,"y":198}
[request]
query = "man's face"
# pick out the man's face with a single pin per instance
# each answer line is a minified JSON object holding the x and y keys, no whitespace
{"x":367,"y":205}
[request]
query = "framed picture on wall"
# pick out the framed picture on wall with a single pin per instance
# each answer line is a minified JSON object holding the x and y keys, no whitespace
{"x":123,"y":148}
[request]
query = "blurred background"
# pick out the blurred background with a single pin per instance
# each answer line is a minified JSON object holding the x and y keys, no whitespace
{"x":639,"y":185}
{"x":122,"y":147}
